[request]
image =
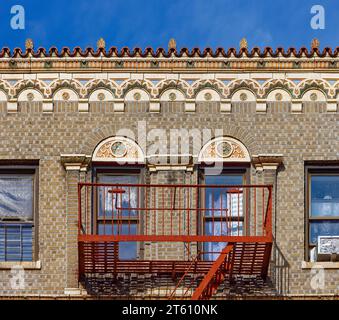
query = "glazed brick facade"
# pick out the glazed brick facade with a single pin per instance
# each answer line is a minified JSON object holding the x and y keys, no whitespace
{"x":30,"y":134}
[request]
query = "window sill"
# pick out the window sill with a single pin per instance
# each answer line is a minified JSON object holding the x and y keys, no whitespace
{"x":320,"y":264}
{"x":27,"y":265}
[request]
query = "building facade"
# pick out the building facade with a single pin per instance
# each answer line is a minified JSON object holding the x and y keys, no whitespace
{"x":151,"y":136}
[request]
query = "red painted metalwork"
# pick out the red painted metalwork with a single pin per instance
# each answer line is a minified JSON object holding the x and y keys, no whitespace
{"x":189,"y":270}
{"x":215,"y":275}
{"x":110,"y":214}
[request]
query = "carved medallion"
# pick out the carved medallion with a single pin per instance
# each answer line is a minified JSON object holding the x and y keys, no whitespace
{"x":119,"y":149}
{"x":101,"y":96}
{"x":313,"y":97}
{"x":172,"y":96}
{"x":65,"y":96}
{"x":137,"y":96}
{"x":30,"y":96}
{"x":224,"y":149}
{"x":278,"y":96}
{"x":208,"y":96}
{"x":243,"y":96}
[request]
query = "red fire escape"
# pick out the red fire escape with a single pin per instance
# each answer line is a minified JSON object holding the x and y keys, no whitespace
{"x":227,"y":231}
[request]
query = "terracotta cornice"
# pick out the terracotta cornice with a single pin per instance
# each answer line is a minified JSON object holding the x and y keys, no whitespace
{"x":170,"y":60}
{"x":170,"y":53}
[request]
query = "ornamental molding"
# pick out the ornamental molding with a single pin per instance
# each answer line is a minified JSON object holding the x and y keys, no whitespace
{"x":187,"y":89}
{"x":176,"y":84}
{"x":118,"y":149}
{"x":97,"y":84}
{"x":216,"y":85}
{"x":70,"y":84}
{"x":274,"y":84}
{"x":240,"y":84}
{"x":35,"y":84}
{"x":224,"y":149}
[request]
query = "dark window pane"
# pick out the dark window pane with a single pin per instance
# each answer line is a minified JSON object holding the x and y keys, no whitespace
{"x":118,"y":204}
{"x":16,"y":242}
{"x":127,"y":250}
{"x":16,"y":197}
{"x":323,"y":228}
{"x":325,"y":195}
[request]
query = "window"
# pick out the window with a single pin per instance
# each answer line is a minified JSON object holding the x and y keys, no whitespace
{"x":17,"y":213}
{"x":116,"y":212}
{"x":323,"y":206}
{"x":223,"y":214}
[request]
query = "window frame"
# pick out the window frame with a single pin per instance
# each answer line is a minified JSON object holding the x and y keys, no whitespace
{"x":116,"y":171}
{"x":29,"y":170}
{"x":315,"y":170}
{"x":228,"y":169}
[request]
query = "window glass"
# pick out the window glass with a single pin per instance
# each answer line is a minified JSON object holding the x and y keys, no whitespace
{"x":323,"y":207}
{"x":324,"y":195}
{"x":323,"y":228}
{"x":16,"y":242}
{"x":16,"y":197}
{"x":127,"y":250}
{"x":218,"y":200}
{"x":118,"y":204}
{"x":212,"y":249}
{"x":219,"y":204}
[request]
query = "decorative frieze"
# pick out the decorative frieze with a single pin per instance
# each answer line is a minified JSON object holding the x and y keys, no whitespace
{"x":120,"y":89}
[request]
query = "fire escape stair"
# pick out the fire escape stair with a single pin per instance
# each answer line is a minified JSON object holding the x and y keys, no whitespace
{"x":235,"y":259}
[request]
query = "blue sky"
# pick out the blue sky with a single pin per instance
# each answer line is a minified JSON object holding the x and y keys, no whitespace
{"x":193,"y":23}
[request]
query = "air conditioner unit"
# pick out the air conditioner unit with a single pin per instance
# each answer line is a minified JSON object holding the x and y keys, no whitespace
{"x":328,"y":248}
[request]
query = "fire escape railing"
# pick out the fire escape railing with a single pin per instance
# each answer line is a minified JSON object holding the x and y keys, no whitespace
{"x":174,"y":213}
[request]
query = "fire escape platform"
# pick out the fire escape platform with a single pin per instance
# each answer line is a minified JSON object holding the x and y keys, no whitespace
{"x":248,"y":258}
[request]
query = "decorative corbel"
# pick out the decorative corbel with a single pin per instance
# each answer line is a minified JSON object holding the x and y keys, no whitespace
{"x":267,"y":161}
{"x":75,"y":162}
